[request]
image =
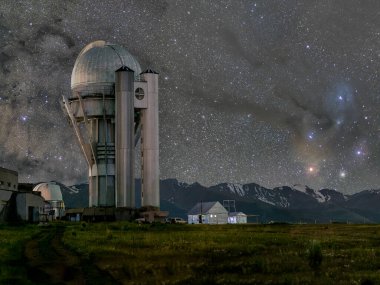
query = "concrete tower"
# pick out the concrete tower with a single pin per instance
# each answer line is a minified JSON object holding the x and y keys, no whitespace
{"x":112,"y":105}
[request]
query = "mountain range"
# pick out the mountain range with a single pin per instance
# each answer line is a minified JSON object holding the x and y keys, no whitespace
{"x":296,"y":204}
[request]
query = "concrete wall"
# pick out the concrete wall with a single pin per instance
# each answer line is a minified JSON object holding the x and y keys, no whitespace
{"x":4,"y":198}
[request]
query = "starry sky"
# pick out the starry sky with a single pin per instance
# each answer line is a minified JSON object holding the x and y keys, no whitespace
{"x":271,"y":92}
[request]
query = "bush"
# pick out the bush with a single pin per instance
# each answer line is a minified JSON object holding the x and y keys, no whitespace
{"x":109,"y":234}
{"x":315,"y":255}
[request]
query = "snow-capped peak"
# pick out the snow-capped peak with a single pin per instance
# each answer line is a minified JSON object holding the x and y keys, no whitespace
{"x":73,"y":189}
{"x":307,"y":190}
{"x":236,"y":189}
{"x":300,"y":187}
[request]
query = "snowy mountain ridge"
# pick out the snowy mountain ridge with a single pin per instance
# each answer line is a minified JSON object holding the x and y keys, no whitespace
{"x":288,"y":204}
{"x":281,"y":196}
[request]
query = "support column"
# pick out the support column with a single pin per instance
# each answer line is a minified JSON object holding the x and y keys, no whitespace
{"x":125,"y":144}
{"x":150,"y":144}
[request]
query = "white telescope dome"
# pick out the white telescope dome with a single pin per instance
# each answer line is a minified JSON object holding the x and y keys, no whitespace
{"x":96,"y":65}
{"x":49,"y":191}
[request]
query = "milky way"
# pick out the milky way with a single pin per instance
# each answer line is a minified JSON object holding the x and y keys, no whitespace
{"x":272,"y":92}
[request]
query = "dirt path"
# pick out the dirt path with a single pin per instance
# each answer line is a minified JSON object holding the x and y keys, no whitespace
{"x":49,"y":262}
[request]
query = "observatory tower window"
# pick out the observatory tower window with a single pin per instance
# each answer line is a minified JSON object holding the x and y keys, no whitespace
{"x":139,"y":93}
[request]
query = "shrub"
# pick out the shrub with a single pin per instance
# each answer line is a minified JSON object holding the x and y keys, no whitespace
{"x":315,"y":256}
{"x":109,"y":234}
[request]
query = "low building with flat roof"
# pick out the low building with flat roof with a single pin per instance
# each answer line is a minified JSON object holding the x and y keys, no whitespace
{"x":8,"y":179}
{"x":15,"y":205}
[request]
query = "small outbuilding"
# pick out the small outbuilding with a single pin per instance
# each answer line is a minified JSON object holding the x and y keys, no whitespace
{"x":208,"y":213}
{"x":20,"y":206}
{"x":237,"y":218}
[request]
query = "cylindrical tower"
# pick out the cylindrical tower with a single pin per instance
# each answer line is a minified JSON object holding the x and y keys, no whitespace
{"x":125,"y":137}
{"x":91,"y":109}
{"x":150,"y":193}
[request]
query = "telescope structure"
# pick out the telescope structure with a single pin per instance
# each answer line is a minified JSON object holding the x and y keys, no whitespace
{"x":112,"y":108}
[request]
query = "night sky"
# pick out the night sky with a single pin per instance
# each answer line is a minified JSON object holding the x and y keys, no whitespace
{"x":272,"y":92}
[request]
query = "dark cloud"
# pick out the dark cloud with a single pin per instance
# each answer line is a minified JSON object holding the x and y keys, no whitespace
{"x":234,"y":47}
{"x":47,"y":31}
{"x":4,"y":62}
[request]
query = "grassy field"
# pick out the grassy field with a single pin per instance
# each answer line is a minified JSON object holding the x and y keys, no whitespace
{"x":12,"y":241}
{"x":215,"y":254}
{"x":231,"y":254}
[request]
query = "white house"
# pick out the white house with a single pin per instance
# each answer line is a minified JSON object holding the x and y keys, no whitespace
{"x":208,"y":213}
{"x":237,"y":218}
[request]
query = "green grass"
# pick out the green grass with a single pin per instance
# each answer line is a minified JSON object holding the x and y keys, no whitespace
{"x":12,"y":240}
{"x":231,"y":254}
{"x":207,"y":254}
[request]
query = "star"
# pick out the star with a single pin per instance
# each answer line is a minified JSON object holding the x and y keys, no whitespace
{"x":310,"y":135}
{"x":311,"y":169}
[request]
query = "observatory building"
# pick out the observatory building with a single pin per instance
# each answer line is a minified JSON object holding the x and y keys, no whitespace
{"x":52,"y":194}
{"x":113,"y":107}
